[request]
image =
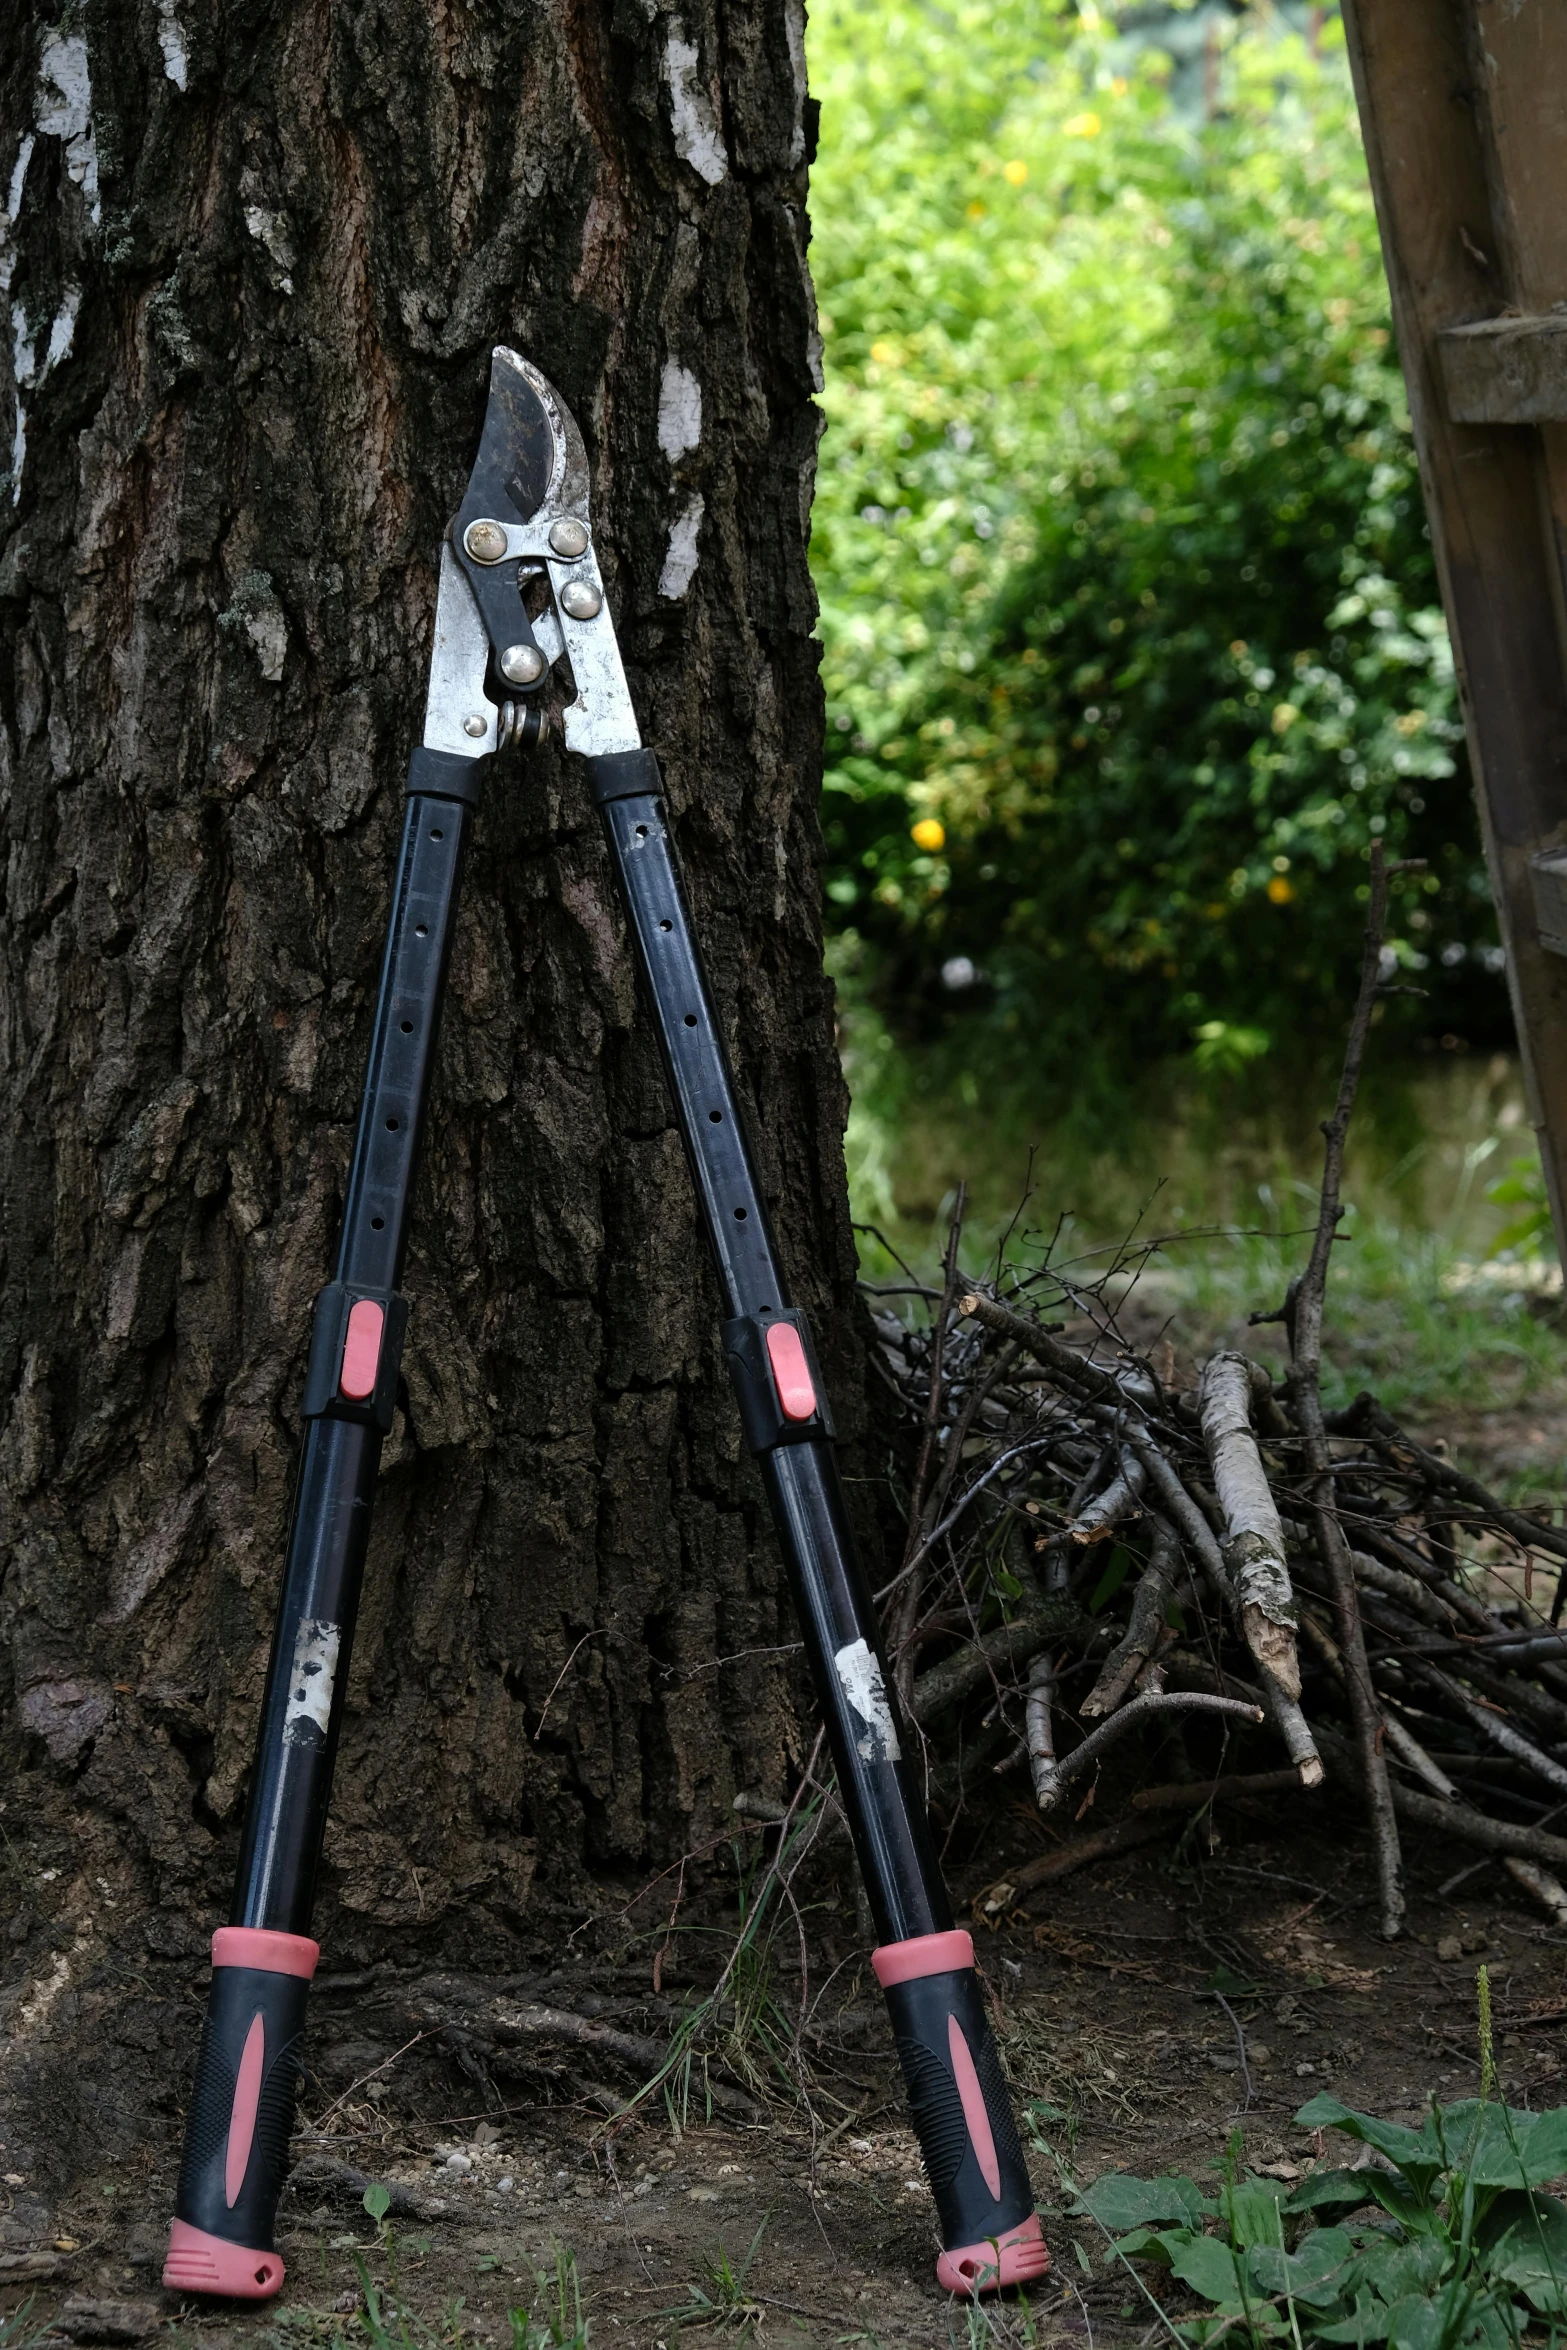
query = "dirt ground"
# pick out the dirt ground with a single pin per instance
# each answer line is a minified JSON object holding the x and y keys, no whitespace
{"x":1102,"y":1983}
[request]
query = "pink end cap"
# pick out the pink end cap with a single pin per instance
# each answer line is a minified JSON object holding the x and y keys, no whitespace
{"x":973,"y":2096}
{"x":791,"y":1372}
{"x":199,"y":2263}
{"x":361,"y":1350}
{"x":258,"y":1946}
{"x":923,"y":1954}
{"x":242,"y":2118}
{"x":1019,"y":2257}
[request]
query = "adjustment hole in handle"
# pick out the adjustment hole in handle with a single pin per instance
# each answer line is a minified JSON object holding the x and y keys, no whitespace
{"x":378,"y":1223}
{"x":408,"y":1028}
{"x":642,"y":832}
{"x":690,"y":1019}
{"x":421,"y":930}
{"x":739,"y":1215}
{"x":437,"y":835}
{"x":666,"y":926}
{"x":391,"y":1125}
{"x":717,"y":1117}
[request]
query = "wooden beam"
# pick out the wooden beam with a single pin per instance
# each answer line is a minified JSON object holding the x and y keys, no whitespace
{"x":1506,"y":371}
{"x":1460,"y":170}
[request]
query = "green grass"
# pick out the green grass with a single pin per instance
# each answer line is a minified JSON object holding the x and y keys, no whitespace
{"x":1214,"y":1196}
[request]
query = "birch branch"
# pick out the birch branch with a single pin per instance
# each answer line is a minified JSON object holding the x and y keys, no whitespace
{"x":1150,"y":1603}
{"x":1051,"y":1786}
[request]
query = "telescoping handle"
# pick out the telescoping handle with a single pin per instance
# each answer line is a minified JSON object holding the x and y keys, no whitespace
{"x":957,"y":2094}
{"x":248,"y":2063}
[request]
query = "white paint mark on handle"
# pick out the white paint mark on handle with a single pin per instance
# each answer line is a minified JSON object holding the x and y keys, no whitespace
{"x":310,"y":1683}
{"x":859,"y":1677}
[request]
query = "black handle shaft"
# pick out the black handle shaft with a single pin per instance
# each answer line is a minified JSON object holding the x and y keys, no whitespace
{"x":957,"y":2092}
{"x":247,"y":2067}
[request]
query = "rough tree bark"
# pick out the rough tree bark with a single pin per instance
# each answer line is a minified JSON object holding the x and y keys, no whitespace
{"x":257,"y":257}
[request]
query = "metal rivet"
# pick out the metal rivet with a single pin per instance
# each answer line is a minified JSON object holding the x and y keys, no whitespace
{"x":580,"y":598}
{"x":476,"y":726}
{"x":569,"y":537}
{"x":522,"y":664}
{"x":485,"y":541}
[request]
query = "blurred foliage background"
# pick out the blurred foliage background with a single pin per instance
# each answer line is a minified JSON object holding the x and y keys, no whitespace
{"x":1132,"y":636}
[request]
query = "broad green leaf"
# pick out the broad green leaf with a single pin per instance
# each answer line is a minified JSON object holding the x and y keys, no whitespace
{"x":1208,"y":2267}
{"x":1118,"y":2202}
{"x":1318,"y":2273}
{"x":1365,"y":2323}
{"x":1418,"y":2323}
{"x":1497,"y":2146}
{"x":1523,"y":2243}
{"x":1399,"y":2270}
{"x":1250,"y":2211}
{"x":377,"y":2202}
{"x":1416,"y":2152}
{"x":1340,"y":2190}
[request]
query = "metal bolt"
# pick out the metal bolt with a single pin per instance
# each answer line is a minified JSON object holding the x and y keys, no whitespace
{"x":569,"y":537}
{"x":485,"y":541}
{"x":476,"y":726}
{"x":522,"y":664}
{"x":580,"y":598}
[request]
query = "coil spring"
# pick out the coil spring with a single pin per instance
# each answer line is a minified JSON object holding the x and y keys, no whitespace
{"x":519,"y":726}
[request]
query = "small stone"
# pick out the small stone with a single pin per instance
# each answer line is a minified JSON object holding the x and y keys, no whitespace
{"x":345,"y":2302}
{"x":702,"y":2194}
{"x":505,"y":2186}
{"x":1302,"y":2071}
{"x":459,"y":2162}
{"x":1260,"y":2052}
{"x":1450,"y":1949}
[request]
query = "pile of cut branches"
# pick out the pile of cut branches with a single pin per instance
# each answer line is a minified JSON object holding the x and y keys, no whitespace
{"x":1097,"y":1551}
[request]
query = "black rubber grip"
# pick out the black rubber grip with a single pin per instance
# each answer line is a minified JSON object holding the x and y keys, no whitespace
{"x":624,"y":775}
{"x":233,"y":2169}
{"x":928,"y":2015}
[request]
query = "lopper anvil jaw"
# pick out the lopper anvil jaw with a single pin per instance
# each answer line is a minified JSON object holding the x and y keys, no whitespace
{"x":524,"y":518}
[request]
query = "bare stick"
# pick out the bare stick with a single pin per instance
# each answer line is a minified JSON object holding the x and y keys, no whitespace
{"x":1186,"y":1794}
{"x":1052,"y":1786}
{"x":981,"y":1660}
{"x":1369,"y":1413}
{"x":1491,"y":1725}
{"x":1039,"y":1726}
{"x":1305,"y":1335}
{"x":1548,"y":1891}
{"x":908,"y":1608}
{"x":1045,"y":1350}
{"x":1195,"y":1530}
{"x":1403,"y":1743}
{"x":1121,"y":1499}
{"x":1253,"y":1536}
{"x":1455,"y":1822}
{"x":1150,"y":1602}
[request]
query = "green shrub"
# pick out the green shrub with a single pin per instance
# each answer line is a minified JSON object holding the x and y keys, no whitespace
{"x":1132,"y":631}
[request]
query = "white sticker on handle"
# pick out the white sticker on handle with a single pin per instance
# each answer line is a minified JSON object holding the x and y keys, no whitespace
{"x":310,"y":1683}
{"x":859,"y":1677}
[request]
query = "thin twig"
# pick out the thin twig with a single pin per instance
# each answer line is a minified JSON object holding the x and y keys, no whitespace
{"x":1305,"y":1336}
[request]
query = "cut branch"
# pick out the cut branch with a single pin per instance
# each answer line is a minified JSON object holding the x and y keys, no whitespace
{"x":1305,"y":1335}
{"x":1051,"y":1787}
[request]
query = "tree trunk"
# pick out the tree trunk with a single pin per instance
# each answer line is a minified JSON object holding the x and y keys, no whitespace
{"x":257,"y":259}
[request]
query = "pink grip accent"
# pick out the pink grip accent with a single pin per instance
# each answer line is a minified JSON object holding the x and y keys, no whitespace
{"x":923,"y":1954}
{"x":361,"y":1349}
{"x":1016,"y":2258}
{"x":199,"y":2263}
{"x":791,"y":1372}
{"x":242,"y":2120}
{"x":973,"y":2096}
{"x":258,"y":1946}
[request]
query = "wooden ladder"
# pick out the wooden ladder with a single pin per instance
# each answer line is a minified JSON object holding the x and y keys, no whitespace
{"x":1463,"y":104}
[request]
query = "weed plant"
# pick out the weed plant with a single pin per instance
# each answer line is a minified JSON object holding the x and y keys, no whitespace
{"x":1441,"y":2238}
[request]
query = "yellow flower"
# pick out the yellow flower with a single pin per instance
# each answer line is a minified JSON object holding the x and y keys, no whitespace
{"x":1284,"y":717}
{"x":1082,"y":126}
{"x":1280,"y":891}
{"x":886,"y":354}
{"x":1014,"y":174}
{"x":929,"y":834}
{"x":1411,"y":722}
{"x":976,"y":212}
